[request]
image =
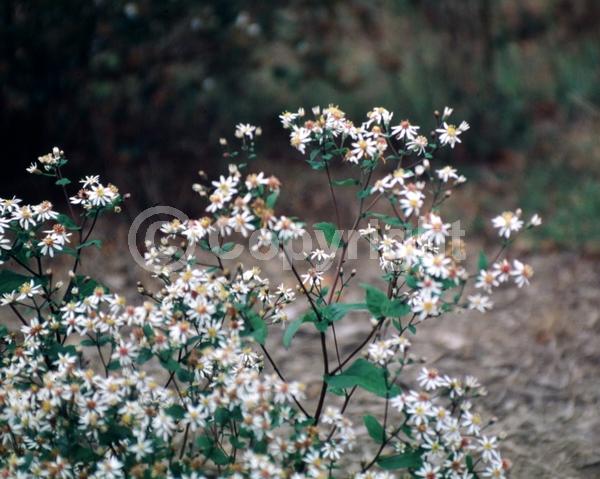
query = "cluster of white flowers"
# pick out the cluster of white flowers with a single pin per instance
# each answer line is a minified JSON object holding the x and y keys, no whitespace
{"x":175,"y":387}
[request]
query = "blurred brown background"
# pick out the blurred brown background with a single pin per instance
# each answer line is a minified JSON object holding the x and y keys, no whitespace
{"x":140,"y":91}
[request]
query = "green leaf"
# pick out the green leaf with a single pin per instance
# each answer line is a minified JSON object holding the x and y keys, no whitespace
{"x":259,"y":327}
{"x":94,"y":242}
{"x":376,"y":300}
{"x":375,"y":429}
{"x":175,"y":411}
{"x":272,"y":199}
{"x":482,"y":263}
{"x":86,"y":285}
{"x":390,"y":220}
{"x":291,"y":331}
{"x":346,"y":182}
{"x":395,"y":308}
{"x":10,"y":281}
{"x":63,"y":182}
{"x":409,"y":460}
{"x":366,"y":375}
{"x":67,"y":222}
{"x":332,"y":235}
{"x":335,"y":312}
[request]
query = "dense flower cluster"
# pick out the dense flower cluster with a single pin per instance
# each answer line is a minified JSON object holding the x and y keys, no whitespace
{"x":183,"y":385}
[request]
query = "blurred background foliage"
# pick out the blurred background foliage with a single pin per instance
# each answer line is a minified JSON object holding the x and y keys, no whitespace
{"x":140,"y":91}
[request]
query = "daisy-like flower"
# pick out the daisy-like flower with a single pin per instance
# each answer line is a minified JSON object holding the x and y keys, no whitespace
{"x":110,"y":468}
{"x":430,"y":379}
{"x":242,"y":223}
{"x":405,"y":130}
{"x":312,"y":278}
{"x":428,"y":471}
{"x":446,"y":173}
{"x":486,"y":280}
{"x":287,"y":229}
{"x":226,"y":187}
{"x":299,"y":138}
{"x":502,"y":270}
{"x":319,"y":255}
{"x":411,"y":203}
{"x":49,"y":244}
{"x":480,"y":303}
{"x":332,"y":451}
{"x":9,"y":205}
{"x":425,"y":305}
{"x":25,"y":217}
{"x":508,"y":222}
{"x":99,"y":195}
{"x":287,"y":118}
{"x":522,"y":273}
{"x":28,"y":290}
{"x":254,"y":180}
{"x":379,"y":115}
{"x":449,"y":134}
{"x":488,"y":446}
{"x":90,"y":180}
{"x":435,"y":229}
{"x":164,"y":425}
{"x":418,"y":144}
{"x":245,"y":130}
{"x":44,"y":211}
{"x":364,"y":147}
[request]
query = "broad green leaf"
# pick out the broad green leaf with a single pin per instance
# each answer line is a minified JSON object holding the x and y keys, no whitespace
{"x":376,"y":300}
{"x":175,"y":411}
{"x":336,"y":311}
{"x":332,"y":235}
{"x":259,"y":327}
{"x":63,"y":182}
{"x":366,"y":375}
{"x":375,"y":429}
{"x":395,"y":308}
{"x":291,"y":331}
{"x":409,"y":460}
{"x":10,"y":281}
{"x":67,"y":222}
{"x":272,"y":199}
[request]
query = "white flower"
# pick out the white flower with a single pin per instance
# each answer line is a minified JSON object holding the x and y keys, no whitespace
{"x":480,"y":303}
{"x":49,"y":244}
{"x":522,"y":273}
{"x":435,"y":229}
{"x":364,"y":147}
{"x":242,"y":223}
{"x":425,"y":305}
{"x":446,"y":173}
{"x":99,"y":195}
{"x":507,"y":222}
{"x":449,"y":134}
{"x":299,"y":137}
{"x":242,"y":130}
{"x":418,"y":144}
{"x":287,"y":118}
{"x":405,"y":131}
{"x":535,"y":220}
{"x":430,"y":379}
{"x":312,"y":277}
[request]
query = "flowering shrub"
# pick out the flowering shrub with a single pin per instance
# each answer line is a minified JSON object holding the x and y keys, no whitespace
{"x":178,"y":386}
